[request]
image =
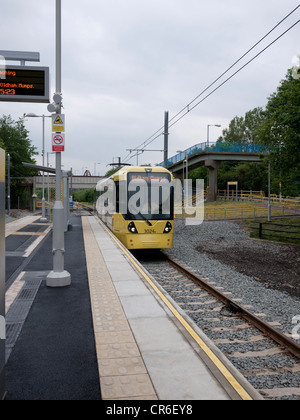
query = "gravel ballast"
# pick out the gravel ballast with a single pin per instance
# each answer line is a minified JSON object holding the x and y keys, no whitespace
{"x":206,"y":248}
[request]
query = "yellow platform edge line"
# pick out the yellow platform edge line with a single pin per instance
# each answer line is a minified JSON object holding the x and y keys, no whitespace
{"x":217,"y":362}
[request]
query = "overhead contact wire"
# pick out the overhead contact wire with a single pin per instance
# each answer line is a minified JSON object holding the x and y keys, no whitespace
{"x":188,"y":107}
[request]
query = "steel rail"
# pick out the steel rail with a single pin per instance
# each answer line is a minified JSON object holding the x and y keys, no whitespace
{"x":263,"y":326}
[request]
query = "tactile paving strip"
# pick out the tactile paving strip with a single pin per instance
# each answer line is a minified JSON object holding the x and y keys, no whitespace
{"x":122,"y":371}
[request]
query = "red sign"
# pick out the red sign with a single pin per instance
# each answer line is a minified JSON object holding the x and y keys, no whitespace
{"x":58,"y":142}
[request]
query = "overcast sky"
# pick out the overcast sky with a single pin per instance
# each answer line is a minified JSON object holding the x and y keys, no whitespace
{"x":125,"y":62}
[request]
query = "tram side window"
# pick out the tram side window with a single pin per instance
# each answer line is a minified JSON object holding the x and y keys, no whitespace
{"x":117,"y":185}
{"x":121,"y":197}
{"x":106,"y":196}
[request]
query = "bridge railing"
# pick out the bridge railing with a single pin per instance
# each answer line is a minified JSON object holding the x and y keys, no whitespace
{"x":215,"y":147}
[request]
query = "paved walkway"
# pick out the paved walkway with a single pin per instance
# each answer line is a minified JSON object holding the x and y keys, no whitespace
{"x":54,"y":357}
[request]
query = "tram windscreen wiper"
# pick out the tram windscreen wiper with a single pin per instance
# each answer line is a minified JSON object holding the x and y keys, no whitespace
{"x":133,"y":216}
{"x":148,"y":221}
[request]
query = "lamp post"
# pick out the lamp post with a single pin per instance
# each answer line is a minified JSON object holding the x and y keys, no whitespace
{"x":58,"y":277}
{"x":210,"y":125}
{"x":95,"y":167}
{"x":31,"y":115}
{"x":269,"y":192}
{"x":185,"y":161}
{"x":8,"y":184}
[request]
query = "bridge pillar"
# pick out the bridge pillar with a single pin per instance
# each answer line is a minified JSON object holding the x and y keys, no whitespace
{"x":213,"y":166}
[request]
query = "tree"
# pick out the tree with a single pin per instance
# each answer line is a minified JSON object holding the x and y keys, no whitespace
{"x":14,"y":140}
{"x":244,"y":129}
{"x":250,"y":176}
{"x":111,"y":171}
{"x":84,"y":196}
{"x":280,"y":132}
{"x":275,"y":128}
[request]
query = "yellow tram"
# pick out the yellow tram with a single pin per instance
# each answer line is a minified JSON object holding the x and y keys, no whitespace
{"x":137,"y":204}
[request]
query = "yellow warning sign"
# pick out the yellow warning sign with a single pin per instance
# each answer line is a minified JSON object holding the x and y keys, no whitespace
{"x":58,"y":120}
{"x":58,"y":123}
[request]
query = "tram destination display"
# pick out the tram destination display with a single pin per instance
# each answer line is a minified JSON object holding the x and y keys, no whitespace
{"x":24,"y":84}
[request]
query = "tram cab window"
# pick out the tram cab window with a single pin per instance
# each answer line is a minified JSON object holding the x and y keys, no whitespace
{"x":149,"y":195}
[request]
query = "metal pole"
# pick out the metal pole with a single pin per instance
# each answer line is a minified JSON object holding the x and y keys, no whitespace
{"x":187,"y":165}
{"x":58,"y":277}
{"x":269,"y":192}
{"x":48,"y":195}
{"x":8,"y":184}
{"x":207,"y":137}
{"x":166,"y":139}
{"x":65,"y":200}
{"x":2,"y":274}
{"x":43,"y":219}
{"x":71,"y":188}
{"x":58,"y":48}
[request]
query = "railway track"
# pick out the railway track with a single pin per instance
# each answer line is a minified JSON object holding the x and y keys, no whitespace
{"x":267,"y":358}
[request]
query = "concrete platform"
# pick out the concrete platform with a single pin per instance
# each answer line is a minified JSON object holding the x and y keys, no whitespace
{"x":140,"y":314}
{"x":114,"y":334}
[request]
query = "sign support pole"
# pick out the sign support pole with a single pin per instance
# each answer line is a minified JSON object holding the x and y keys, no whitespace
{"x":8,"y":184}
{"x":44,"y":218}
{"x":166,"y":139}
{"x":269,"y":192}
{"x":2,"y":274}
{"x":59,"y":277}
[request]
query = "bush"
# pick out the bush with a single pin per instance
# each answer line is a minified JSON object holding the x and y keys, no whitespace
{"x":85,"y":196}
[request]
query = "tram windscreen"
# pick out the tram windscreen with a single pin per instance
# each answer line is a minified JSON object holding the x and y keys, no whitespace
{"x":150,"y":196}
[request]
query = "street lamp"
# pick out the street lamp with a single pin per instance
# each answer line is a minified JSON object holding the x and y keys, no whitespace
{"x":31,"y":115}
{"x":185,"y":161}
{"x":95,"y":166}
{"x":211,"y":125}
{"x":58,"y":277}
{"x":8,"y":184}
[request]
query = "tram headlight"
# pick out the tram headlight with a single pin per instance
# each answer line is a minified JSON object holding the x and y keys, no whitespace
{"x":168,"y":228}
{"x":132,"y":228}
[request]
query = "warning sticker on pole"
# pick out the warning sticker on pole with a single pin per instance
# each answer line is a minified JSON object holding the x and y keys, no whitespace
{"x":58,"y":122}
{"x":58,"y":142}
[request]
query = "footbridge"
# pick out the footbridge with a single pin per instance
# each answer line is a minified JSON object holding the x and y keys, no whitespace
{"x":211,"y":156}
{"x":77,"y":182}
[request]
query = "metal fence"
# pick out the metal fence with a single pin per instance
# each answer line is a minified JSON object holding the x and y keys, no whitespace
{"x":277,"y":231}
